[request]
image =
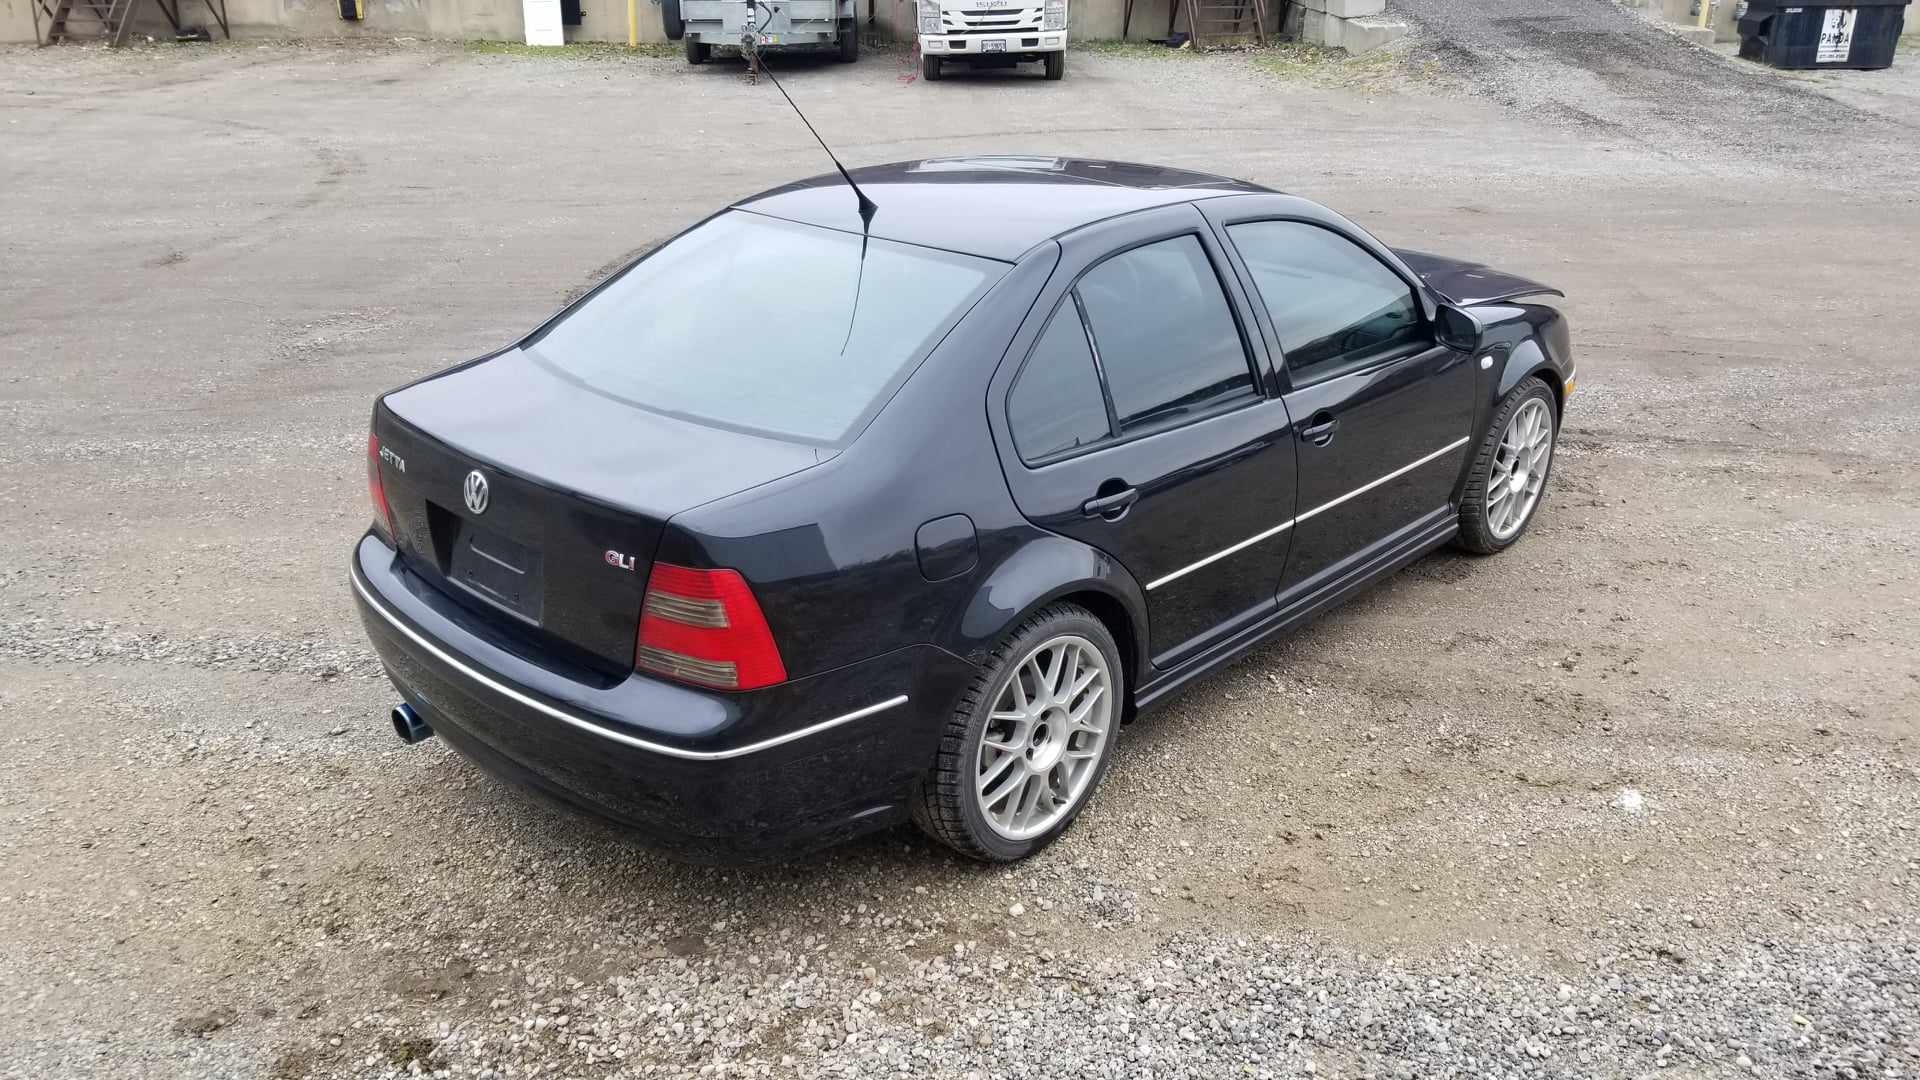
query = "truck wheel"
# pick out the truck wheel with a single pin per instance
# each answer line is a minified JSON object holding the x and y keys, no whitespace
{"x":698,"y":51}
{"x":930,"y":68}
{"x":1056,"y":66}
{"x":849,"y":41}
{"x":670,"y":20}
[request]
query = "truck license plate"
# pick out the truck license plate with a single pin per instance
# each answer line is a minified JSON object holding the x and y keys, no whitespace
{"x":993,"y":46}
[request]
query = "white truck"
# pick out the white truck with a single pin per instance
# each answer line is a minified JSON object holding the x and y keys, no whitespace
{"x":992,"y":33}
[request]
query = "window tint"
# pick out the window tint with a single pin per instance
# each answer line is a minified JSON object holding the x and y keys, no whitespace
{"x":754,"y":322}
{"x":1056,"y":403}
{"x":1330,"y":300}
{"x":1166,"y":337}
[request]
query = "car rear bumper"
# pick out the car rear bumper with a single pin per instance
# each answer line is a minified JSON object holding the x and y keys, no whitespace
{"x":1015,"y":44}
{"x":706,"y":775}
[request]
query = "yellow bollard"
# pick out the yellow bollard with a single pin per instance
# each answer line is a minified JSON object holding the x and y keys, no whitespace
{"x":633,"y":27}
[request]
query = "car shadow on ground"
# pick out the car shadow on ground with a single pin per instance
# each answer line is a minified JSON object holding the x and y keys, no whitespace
{"x":595,"y":857}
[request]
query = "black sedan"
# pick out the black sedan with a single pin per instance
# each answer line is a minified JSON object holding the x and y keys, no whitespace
{"x":812,"y":521}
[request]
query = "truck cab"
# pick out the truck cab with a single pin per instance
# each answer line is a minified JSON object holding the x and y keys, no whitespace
{"x":992,"y":33}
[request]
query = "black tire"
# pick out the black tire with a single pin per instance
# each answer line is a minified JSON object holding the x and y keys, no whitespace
{"x":670,"y":20}
{"x":1056,"y":66}
{"x":929,"y":68}
{"x":698,"y":52}
{"x":1476,"y":530}
{"x":945,"y":806}
{"x":849,"y":41}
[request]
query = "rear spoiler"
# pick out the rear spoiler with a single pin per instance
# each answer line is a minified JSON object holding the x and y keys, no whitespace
{"x":1467,"y":283}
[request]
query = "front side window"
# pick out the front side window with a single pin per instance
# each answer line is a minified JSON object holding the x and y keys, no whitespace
{"x":768,"y":325}
{"x":1167,"y":340}
{"x":1056,"y":404}
{"x":1332,"y":303}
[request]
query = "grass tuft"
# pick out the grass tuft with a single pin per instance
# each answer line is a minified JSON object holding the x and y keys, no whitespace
{"x":1376,"y":70}
{"x":589,"y":50}
{"x":1117,"y":47}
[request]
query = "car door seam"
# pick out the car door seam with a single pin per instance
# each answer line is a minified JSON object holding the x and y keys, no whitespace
{"x":1291,"y":522}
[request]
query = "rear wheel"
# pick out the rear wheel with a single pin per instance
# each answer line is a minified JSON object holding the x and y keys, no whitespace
{"x":698,"y":51}
{"x":1056,"y":63}
{"x":1509,"y":476}
{"x":670,"y":20}
{"x":1029,"y":741}
{"x":930,"y":68}
{"x":849,"y":41}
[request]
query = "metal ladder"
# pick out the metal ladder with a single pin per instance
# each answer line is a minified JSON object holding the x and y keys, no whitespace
{"x":111,"y":21}
{"x":1220,"y":22}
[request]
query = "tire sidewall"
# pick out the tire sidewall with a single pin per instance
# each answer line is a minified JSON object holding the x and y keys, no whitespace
{"x":670,"y":20}
{"x":1066,"y":622}
{"x":1529,"y":389}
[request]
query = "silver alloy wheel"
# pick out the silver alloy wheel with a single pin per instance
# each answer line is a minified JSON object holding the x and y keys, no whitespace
{"x":1043,"y":740}
{"x":1519,"y":468}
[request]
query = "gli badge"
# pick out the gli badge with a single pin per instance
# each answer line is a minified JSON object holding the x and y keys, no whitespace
{"x":624,"y":562}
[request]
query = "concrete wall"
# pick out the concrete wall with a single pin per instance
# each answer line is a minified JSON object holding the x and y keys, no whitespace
{"x":499,"y":20}
{"x":16,"y":20}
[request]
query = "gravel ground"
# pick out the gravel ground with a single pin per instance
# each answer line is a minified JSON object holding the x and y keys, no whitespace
{"x":1637,"y":797}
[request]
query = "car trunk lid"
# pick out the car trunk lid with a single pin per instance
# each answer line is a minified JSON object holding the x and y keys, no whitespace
{"x":575,"y":489}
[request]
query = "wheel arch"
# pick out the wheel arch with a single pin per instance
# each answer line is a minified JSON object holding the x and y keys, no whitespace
{"x":1052,"y":569}
{"x":1525,"y":361}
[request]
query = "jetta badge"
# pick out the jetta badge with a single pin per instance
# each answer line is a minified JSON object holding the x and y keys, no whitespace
{"x":476,"y":492}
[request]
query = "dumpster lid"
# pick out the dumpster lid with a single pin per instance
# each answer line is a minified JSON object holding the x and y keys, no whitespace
{"x":1761,"y":7}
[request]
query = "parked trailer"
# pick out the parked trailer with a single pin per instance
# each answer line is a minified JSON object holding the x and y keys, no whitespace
{"x":789,"y":24}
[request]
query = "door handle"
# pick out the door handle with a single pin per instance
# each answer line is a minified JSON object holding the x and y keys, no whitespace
{"x":1111,"y":506}
{"x":1319,"y":429}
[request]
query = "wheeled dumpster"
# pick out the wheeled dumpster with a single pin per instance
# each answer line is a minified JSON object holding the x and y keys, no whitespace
{"x":1861,"y":34}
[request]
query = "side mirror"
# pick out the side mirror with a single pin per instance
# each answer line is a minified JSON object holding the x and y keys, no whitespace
{"x":1456,"y":329}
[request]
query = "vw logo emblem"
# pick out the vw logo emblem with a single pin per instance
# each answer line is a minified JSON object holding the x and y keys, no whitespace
{"x":476,"y":492}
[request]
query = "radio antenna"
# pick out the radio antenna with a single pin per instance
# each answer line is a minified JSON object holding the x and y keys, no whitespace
{"x":867,"y":206}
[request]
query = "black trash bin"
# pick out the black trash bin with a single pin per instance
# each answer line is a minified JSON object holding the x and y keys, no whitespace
{"x":1859,"y":34}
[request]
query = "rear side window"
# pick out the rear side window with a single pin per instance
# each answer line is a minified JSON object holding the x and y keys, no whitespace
{"x":1332,"y":303}
{"x":766,"y":325}
{"x":1056,"y":402}
{"x":1167,"y":340}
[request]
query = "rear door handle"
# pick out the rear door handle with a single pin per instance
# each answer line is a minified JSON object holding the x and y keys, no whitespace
{"x":1319,"y":430}
{"x":1111,"y":506}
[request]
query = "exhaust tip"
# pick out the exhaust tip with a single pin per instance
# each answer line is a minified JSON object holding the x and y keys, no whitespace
{"x":410,"y":725}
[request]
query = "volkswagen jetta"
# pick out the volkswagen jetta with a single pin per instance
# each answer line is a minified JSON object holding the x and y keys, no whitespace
{"x":811,"y":521}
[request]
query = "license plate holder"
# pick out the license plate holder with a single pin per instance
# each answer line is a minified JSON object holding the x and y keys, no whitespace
{"x":498,"y":570}
{"x":993,"y":46}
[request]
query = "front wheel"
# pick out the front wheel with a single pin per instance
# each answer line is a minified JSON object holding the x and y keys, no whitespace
{"x":930,"y":68}
{"x":698,"y":51}
{"x":1509,"y":476}
{"x":1056,"y":66}
{"x":849,"y":41}
{"x":1029,"y":740}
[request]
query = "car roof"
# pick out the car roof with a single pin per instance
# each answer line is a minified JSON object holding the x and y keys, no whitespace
{"x":998,"y":207}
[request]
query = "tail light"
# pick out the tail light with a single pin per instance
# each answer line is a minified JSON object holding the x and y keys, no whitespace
{"x":383,"y":513}
{"x":705,"y":627}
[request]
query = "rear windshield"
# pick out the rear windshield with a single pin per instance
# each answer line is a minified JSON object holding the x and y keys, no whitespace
{"x":767,"y":325}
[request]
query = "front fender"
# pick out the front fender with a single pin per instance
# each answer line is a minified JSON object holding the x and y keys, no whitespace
{"x":1043,"y":570}
{"x":1523,"y":340}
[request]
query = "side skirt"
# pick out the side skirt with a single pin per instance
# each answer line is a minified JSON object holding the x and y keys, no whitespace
{"x":1309,"y":598}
